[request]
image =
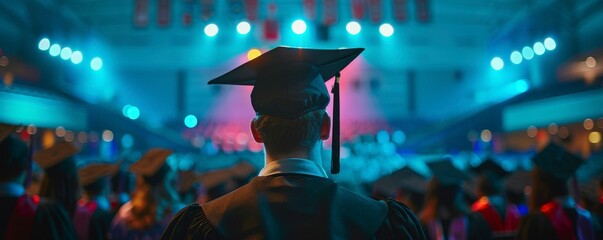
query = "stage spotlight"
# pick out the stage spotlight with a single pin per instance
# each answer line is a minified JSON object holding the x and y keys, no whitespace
{"x":96,"y":63}
{"x":211,"y":30}
{"x":527,"y":53}
{"x":516,"y":57}
{"x":353,"y":27}
{"x":299,"y":26}
{"x":44,"y":44}
{"x":497,"y":63}
{"x":190,"y":121}
{"x":386,"y":29}
{"x":55,"y":50}
{"x":539,"y":48}
{"x":243,"y":28}
{"x":550,"y":44}
{"x":66,"y":53}
{"x":76,"y":57}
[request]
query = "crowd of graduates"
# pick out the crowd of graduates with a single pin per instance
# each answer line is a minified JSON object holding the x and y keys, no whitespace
{"x":110,"y":201}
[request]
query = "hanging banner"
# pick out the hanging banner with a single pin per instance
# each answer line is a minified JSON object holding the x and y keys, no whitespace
{"x":235,"y":7}
{"x":423,"y":10}
{"x":187,"y":12}
{"x":329,"y":12}
{"x":358,"y":9}
{"x":270,"y":30}
{"x":251,"y":10}
{"x":141,"y":13}
{"x":163,"y":13}
{"x":375,"y":10}
{"x":310,"y":9}
{"x":207,"y":9}
{"x":400,"y":10}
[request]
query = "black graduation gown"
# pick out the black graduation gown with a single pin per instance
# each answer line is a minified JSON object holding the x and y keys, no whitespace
{"x":294,"y":206}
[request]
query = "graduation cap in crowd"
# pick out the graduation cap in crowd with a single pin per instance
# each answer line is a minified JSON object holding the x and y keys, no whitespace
{"x":446,"y":173}
{"x":290,"y":82}
{"x":556,"y":161}
{"x":55,"y":154}
{"x":405,"y":178}
{"x":490,"y":166}
{"x":93,"y":172}
{"x":150,"y":162}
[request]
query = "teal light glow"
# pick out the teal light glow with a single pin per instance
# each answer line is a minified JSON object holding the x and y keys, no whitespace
{"x":211,"y":30}
{"x":133,"y":112}
{"x":522,"y":86}
{"x":125,"y":109}
{"x":539,"y":48}
{"x":127,"y":141}
{"x":550,"y":44}
{"x":76,"y":57}
{"x":299,"y":27}
{"x":527,"y":53}
{"x":55,"y":50}
{"x":516,"y":57}
{"x":243,"y":28}
{"x":190,"y":121}
{"x":497,"y":63}
{"x":386,"y":30}
{"x":96,"y":64}
{"x":66,"y":53}
{"x":353,"y":28}
{"x":44,"y":44}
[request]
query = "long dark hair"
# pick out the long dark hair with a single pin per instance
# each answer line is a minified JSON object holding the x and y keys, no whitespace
{"x":545,"y":188}
{"x":441,"y":199}
{"x":61,"y":184}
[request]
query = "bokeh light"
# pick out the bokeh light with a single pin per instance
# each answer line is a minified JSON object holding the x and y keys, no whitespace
{"x":591,"y":62}
{"x":486,"y":135}
{"x":32,"y":129}
{"x":96,"y":64}
{"x":211,"y":30}
{"x":527,"y":53}
{"x":299,"y":26}
{"x":69,"y":136}
{"x":532,"y":131}
{"x":539,"y":48}
{"x":243,"y":27}
{"x":66,"y":53}
{"x":353,"y":27}
{"x":76,"y":57}
{"x":107,"y":136}
{"x":55,"y":50}
{"x":127,"y":141}
{"x":44,"y":44}
{"x":190,"y":121}
{"x":516,"y":57}
{"x":522,"y":86}
{"x":550,"y":44}
{"x":133,"y":112}
{"x":553,"y":128}
{"x":60,"y":131}
{"x":82,"y":137}
{"x":588,"y":124}
{"x":253,"y":53}
{"x":386,"y":30}
{"x":497,"y":63}
{"x":594,"y":137}
{"x":564,"y":132}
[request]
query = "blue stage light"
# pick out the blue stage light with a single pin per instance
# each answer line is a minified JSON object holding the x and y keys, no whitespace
{"x":96,"y":63}
{"x":211,"y":30}
{"x":44,"y":44}
{"x":243,"y":28}
{"x":516,"y":57}
{"x":353,"y":27}
{"x":299,"y":26}
{"x":133,"y":112}
{"x":522,"y":86}
{"x":76,"y":57}
{"x":55,"y":50}
{"x":66,"y":53}
{"x":386,"y":29}
{"x":527,"y":53}
{"x":497,"y":63}
{"x":550,"y":44}
{"x":190,"y":121}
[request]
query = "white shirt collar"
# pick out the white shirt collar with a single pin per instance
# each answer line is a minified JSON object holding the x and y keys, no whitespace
{"x":295,"y":166}
{"x":11,"y":189}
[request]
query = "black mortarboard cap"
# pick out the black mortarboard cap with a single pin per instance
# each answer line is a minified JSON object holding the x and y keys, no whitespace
{"x":446,"y":173}
{"x":492,"y":167}
{"x":557,"y":162}
{"x":93,"y":172}
{"x":289,"y":82}
{"x":404,"y":178}
{"x":151,"y":162}
{"x":54,"y":155}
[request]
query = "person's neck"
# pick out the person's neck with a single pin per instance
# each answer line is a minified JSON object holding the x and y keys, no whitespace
{"x":313,"y":154}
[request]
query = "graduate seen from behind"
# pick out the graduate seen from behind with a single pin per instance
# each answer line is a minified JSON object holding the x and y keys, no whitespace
{"x":292,"y":198}
{"x":553,"y":212}
{"x":154,"y":201}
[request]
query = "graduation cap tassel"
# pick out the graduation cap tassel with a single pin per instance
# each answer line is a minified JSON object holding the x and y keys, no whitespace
{"x":335,"y":142}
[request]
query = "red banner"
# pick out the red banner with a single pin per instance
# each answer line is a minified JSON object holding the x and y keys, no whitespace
{"x":251,"y":9}
{"x":207,"y":9}
{"x":163,"y":13}
{"x":375,"y":11}
{"x":329,"y":12}
{"x":423,"y":10}
{"x":358,"y":9}
{"x":310,"y":8}
{"x":187,"y":12}
{"x":271,"y":30}
{"x":400,"y":10}
{"x":141,"y":13}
